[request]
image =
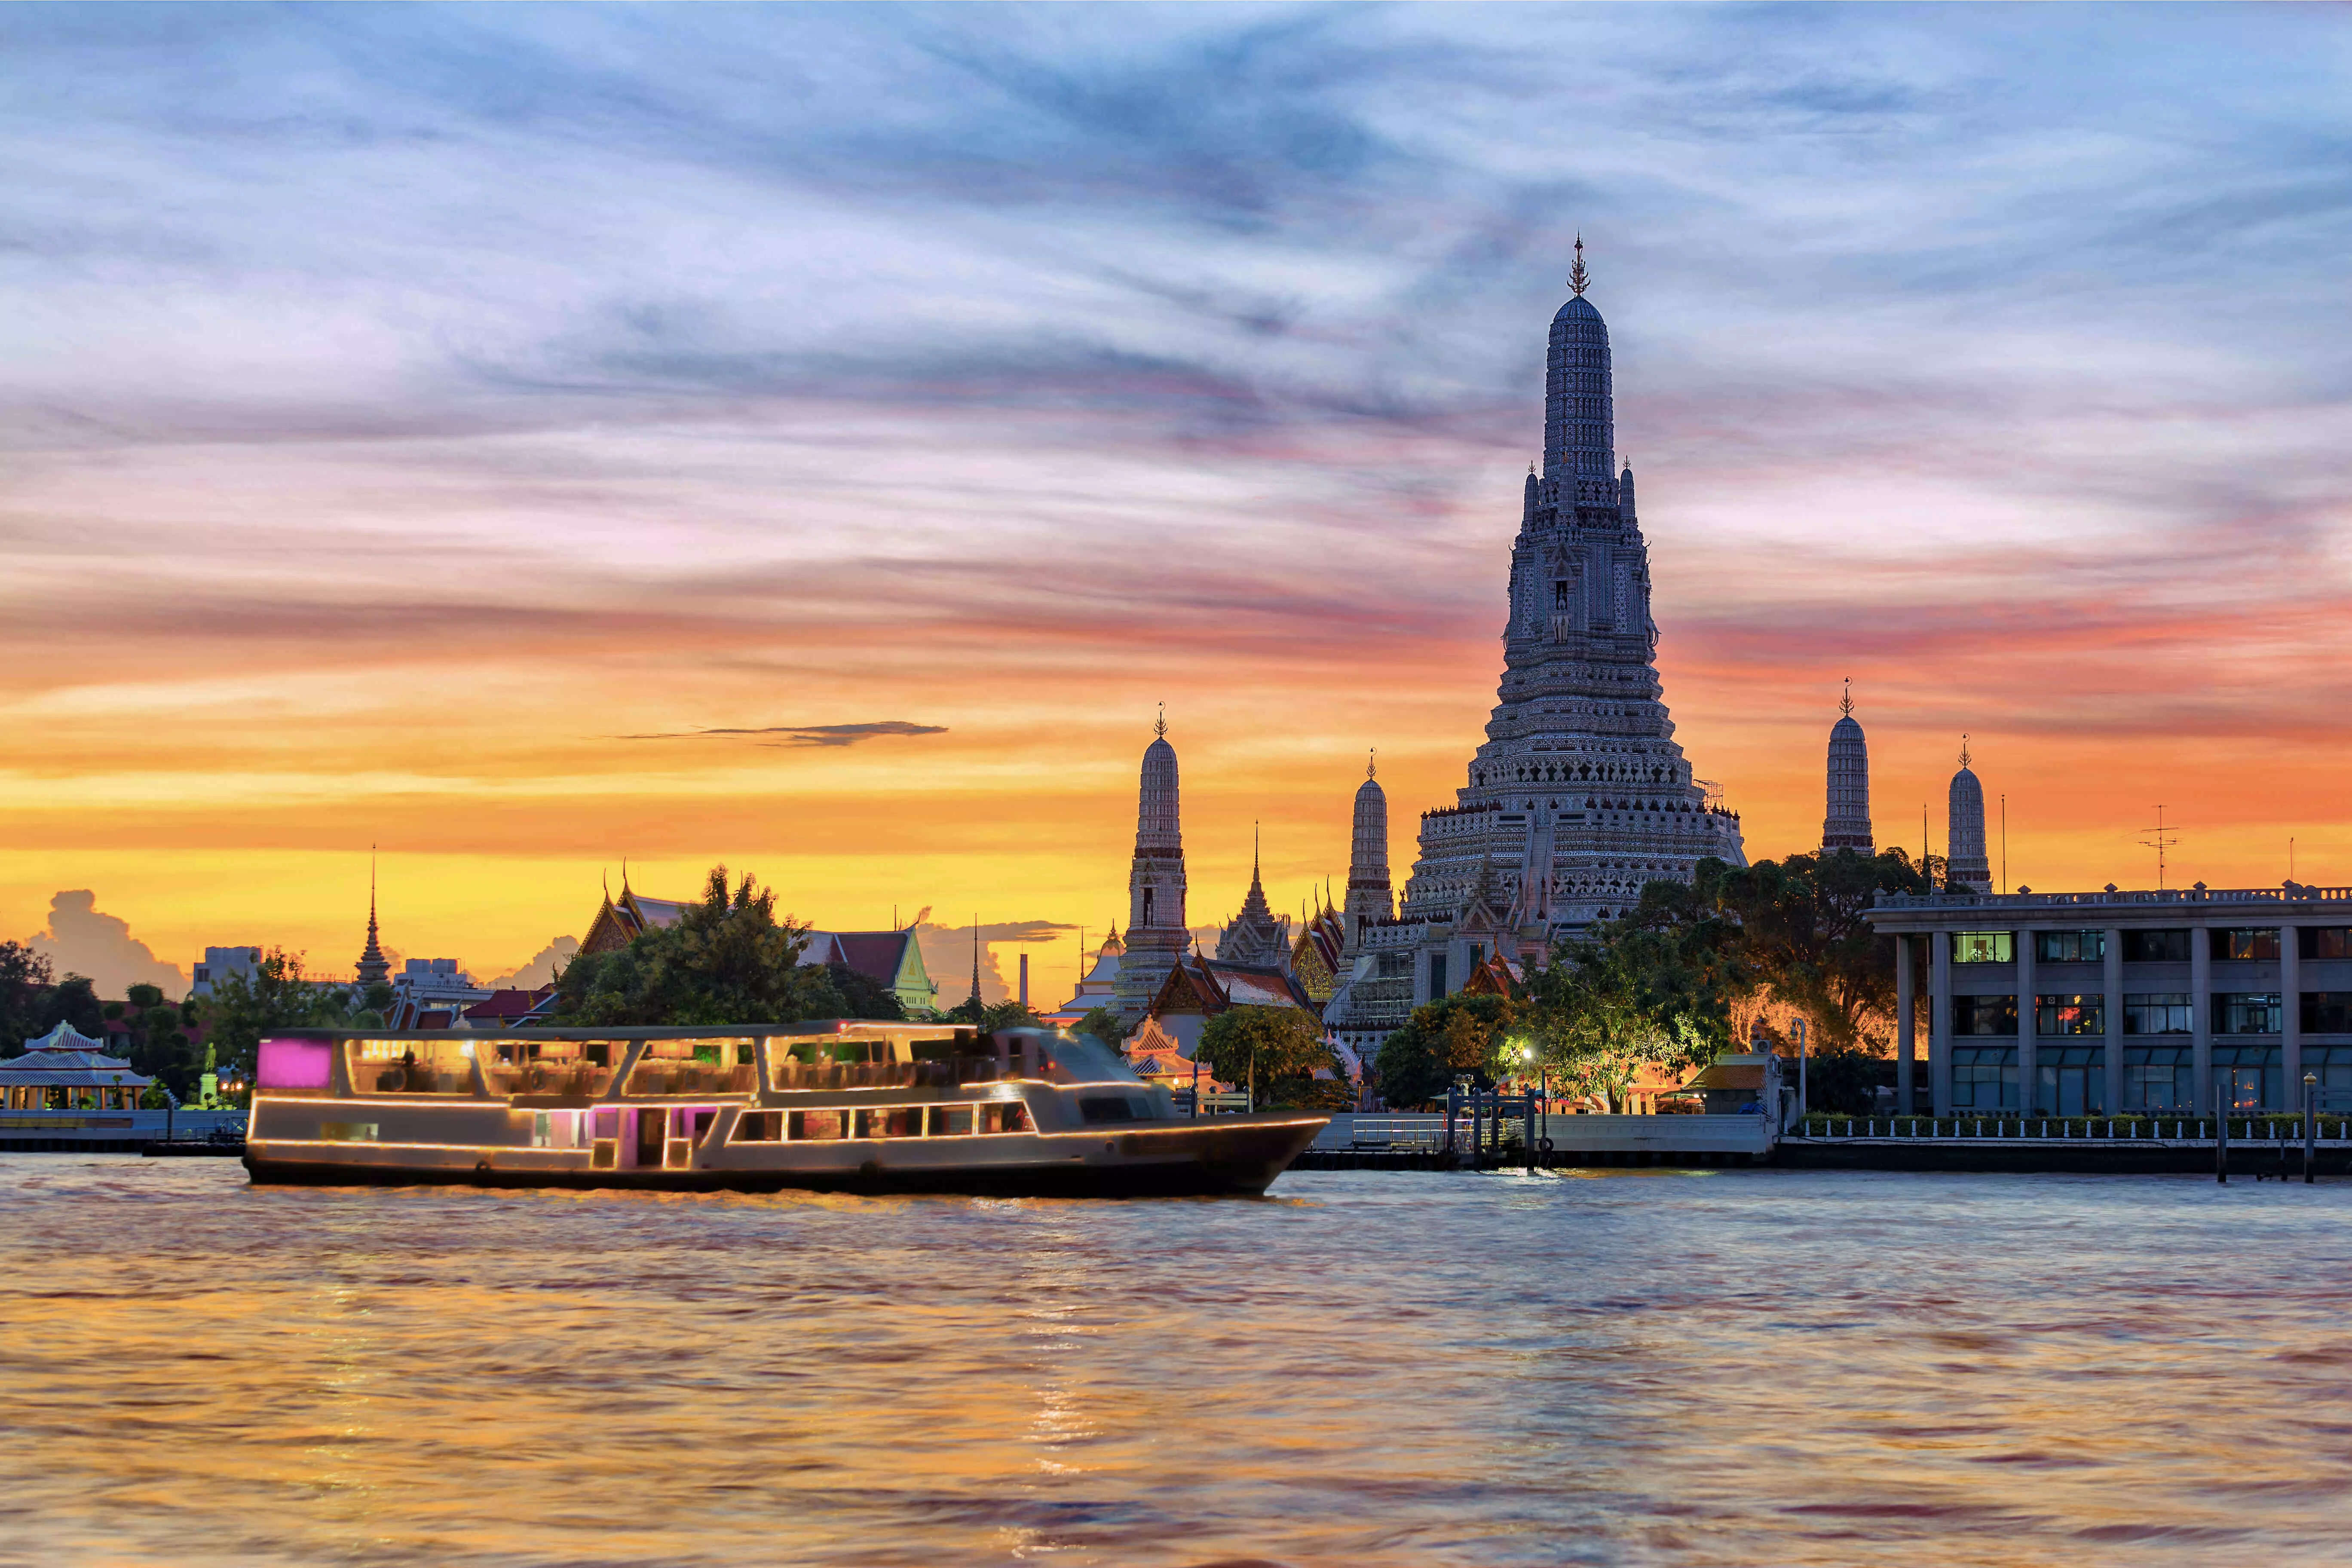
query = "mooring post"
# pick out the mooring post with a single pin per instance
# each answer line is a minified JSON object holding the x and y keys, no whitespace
{"x":2310,"y":1124}
{"x":2222,"y":1129}
{"x":1528,"y":1129}
{"x":1453,"y":1103}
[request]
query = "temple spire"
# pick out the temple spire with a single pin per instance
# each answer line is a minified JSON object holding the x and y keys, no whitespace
{"x":1578,"y":278}
{"x":372,"y":965}
{"x":974,"y":999}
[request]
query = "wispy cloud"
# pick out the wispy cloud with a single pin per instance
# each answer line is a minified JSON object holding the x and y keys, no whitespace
{"x":801,"y":735}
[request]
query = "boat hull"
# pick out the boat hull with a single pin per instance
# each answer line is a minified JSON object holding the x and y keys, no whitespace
{"x":1237,"y":1156}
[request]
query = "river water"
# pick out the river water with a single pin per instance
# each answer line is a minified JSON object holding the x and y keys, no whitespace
{"x":1636,"y":1367}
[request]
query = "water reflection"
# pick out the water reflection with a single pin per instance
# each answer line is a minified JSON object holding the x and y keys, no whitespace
{"x":1634,"y":1367}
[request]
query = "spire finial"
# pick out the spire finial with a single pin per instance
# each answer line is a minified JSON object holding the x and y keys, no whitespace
{"x":1964,"y":749}
{"x":975,"y":958}
{"x":1846,"y":707}
{"x":1160,"y":729}
{"x":1372,"y":763}
{"x":1578,"y":278}
{"x":1253,"y":852}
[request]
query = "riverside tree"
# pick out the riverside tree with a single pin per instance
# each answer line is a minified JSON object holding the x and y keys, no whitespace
{"x":1458,"y":1037}
{"x":729,"y":960}
{"x":1275,"y":1052}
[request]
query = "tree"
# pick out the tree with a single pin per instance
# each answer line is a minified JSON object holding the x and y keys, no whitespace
{"x":861,"y":996}
{"x":1603,"y":1009}
{"x":25,"y":974}
{"x":273,"y":995}
{"x":729,"y":960}
{"x":1455,"y":1037}
{"x":1280,"y":1048}
{"x":1802,"y":932}
{"x":992,"y":1016}
{"x":73,"y":1000}
{"x":1103,"y":1024}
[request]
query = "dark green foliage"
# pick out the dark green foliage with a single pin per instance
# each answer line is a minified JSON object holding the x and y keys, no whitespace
{"x":1840,"y":1081}
{"x":276,"y":996}
{"x":1455,"y":1037}
{"x":1006,"y":1015}
{"x":73,"y":1000}
{"x":23,"y":976}
{"x":729,"y":960}
{"x":1102,"y":1023}
{"x":861,"y":997}
{"x":1274,"y":1052}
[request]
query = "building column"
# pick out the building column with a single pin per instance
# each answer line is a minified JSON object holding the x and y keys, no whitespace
{"x":2291,"y":1017}
{"x":2112,"y":1012}
{"x":2201,"y":1016}
{"x":1939,"y":1020}
{"x":1905,"y":1025}
{"x":2028,"y":1075}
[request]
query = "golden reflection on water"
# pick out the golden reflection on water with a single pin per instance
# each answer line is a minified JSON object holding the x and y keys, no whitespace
{"x":1727,"y":1367}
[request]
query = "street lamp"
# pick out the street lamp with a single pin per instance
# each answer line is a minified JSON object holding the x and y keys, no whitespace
{"x":1804,"y":1104}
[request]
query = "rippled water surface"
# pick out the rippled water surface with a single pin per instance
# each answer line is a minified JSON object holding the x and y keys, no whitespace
{"x":1733,"y":1367}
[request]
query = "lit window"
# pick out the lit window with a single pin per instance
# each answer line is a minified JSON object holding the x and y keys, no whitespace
{"x":1983,"y":947}
{"x":2070,"y":1014}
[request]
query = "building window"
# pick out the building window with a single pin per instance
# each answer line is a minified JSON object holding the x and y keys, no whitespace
{"x":2070,"y":1014}
{"x":2246,"y":1013}
{"x":1983,"y":947}
{"x":2327,"y":941}
{"x":1436,"y":975}
{"x":2327,"y":1013}
{"x":1984,"y":1081}
{"x":1984,"y":1014}
{"x":2252,"y":1077}
{"x":2252,"y":942}
{"x":2158,"y":1013}
{"x":2156,"y":946}
{"x":2159,"y":1078}
{"x":2070,"y":946}
{"x":2073,"y":1081}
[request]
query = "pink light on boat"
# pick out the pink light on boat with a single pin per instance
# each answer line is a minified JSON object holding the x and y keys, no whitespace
{"x":295,"y":1064}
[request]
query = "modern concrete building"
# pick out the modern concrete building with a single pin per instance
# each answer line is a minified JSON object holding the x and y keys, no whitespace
{"x":224,"y":963}
{"x":2079,"y":1004}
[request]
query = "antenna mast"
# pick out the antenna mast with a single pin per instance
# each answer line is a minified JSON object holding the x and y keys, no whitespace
{"x":2160,"y":841}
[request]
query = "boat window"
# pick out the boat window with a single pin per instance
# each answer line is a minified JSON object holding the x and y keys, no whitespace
{"x":1082,"y":1059}
{"x":1004,"y":1116}
{"x":759,"y":1127}
{"x":894,"y":1121}
{"x":1101,"y":1108}
{"x":691,"y":1067}
{"x":412,"y":1067}
{"x":570,"y":1070}
{"x":818,"y":1126}
{"x":951,"y":1121}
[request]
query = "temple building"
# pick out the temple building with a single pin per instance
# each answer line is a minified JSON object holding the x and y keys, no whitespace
{"x":1370,"y":896}
{"x":1098,"y":987}
{"x":893,"y":960}
{"x":1846,"y":825}
{"x":1197,"y":989}
{"x":1155,"y":933}
{"x":1315,"y":956}
{"x":1256,"y":935}
{"x":1965,"y":865}
{"x":373,"y":966}
{"x":1579,"y":794}
{"x":65,"y":1069}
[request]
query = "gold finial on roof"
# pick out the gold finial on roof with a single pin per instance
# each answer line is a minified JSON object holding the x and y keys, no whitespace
{"x":1846,"y":707}
{"x":1578,"y":278}
{"x":1160,"y":729}
{"x":1964,"y":749}
{"x":1372,"y":763}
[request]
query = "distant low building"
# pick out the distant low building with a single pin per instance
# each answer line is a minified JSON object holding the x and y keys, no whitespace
{"x":509,"y":1008}
{"x":222,"y":964}
{"x":65,"y":1069}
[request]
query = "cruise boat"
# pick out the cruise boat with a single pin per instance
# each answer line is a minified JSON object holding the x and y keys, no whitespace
{"x":852,"y":1106}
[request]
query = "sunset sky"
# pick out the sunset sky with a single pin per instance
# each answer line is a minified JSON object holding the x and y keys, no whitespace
{"x":817,"y":440}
